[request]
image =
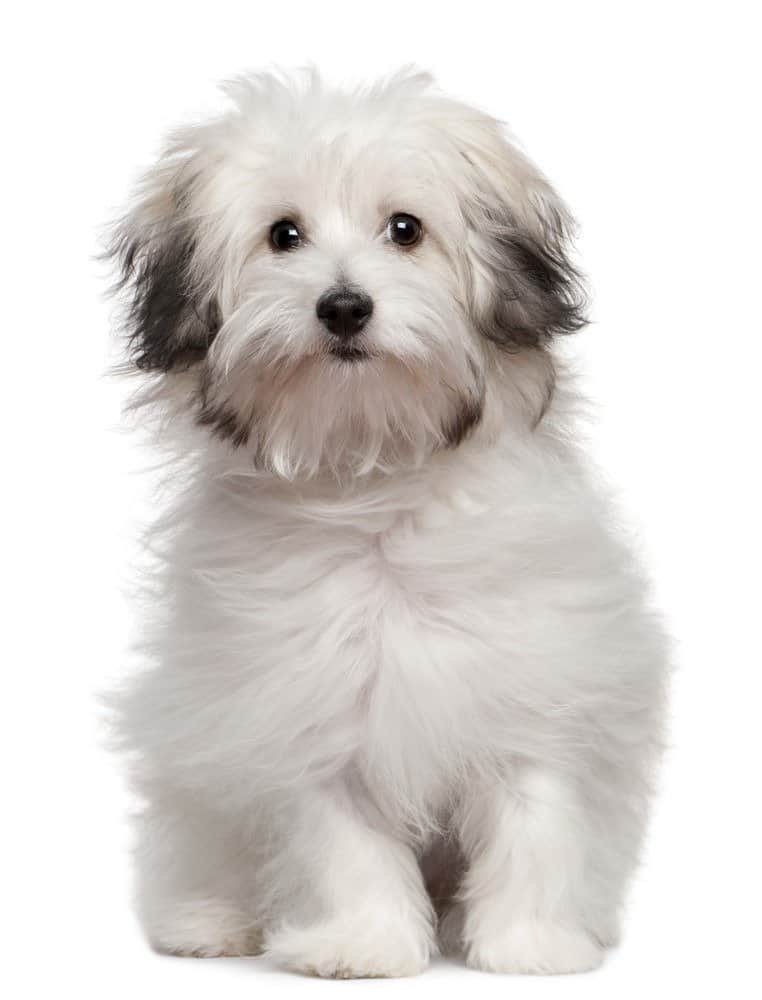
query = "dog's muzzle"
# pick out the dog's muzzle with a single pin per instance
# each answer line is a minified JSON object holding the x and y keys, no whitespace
{"x":344,"y":311}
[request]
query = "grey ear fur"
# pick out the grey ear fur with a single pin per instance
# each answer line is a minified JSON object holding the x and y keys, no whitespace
{"x":171,"y":320}
{"x":536,"y":292}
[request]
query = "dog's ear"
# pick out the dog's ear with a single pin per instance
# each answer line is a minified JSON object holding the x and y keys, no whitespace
{"x":525,"y":288}
{"x":171,"y":315}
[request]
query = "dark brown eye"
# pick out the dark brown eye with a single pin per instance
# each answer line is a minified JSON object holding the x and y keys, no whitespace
{"x":285,"y":235}
{"x":404,"y":230}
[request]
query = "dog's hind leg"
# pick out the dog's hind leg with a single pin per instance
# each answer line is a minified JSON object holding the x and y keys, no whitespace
{"x":193,"y":870}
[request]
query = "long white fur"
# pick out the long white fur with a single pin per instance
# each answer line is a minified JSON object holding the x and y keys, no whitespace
{"x":362,"y":645}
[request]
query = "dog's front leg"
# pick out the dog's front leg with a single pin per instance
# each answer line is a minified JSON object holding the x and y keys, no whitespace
{"x":526,"y":898}
{"x":358,"y":904}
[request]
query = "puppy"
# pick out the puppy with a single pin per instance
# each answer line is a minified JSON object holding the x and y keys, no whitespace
{"x":403,"y":685}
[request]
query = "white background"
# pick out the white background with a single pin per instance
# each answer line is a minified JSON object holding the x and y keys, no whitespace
{"x":647,"y":118}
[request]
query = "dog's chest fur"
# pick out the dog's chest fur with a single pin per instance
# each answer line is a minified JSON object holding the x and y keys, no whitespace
{"x":343,"y":635}
{"x":404,"y":634}
{"x":390,"y":632}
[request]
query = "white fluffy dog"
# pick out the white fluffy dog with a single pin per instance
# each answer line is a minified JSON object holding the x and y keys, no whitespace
{"x":404,"y":686}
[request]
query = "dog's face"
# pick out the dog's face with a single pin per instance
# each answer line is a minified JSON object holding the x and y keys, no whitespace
{"x":346,"y":281}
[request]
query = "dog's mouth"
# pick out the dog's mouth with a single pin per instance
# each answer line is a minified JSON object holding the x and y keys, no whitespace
{"x":349,"y":352}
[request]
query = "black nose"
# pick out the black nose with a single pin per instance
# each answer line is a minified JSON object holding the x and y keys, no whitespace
{"x":344,"y":311}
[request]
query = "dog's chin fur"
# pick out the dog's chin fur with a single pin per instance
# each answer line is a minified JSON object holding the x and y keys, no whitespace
{"x":404,"y":688}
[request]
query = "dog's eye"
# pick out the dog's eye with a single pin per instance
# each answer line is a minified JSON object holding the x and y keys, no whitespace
{"x":404,"y":230}
{"x":285,"y":235}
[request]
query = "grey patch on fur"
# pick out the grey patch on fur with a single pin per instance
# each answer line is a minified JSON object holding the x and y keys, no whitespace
{"x":467,"y":416}
{"x":537,"y":292}
{"x":468,"y":413}
{"x":170,"y":320}
{"x":220,"y":418}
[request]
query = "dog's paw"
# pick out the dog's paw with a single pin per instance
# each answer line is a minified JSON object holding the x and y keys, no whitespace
{"x":203,"y":929}
{"x":352,"y":947}
{"x":535,"y":946}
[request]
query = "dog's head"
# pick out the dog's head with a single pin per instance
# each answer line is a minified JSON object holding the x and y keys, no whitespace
{"x":346,"y":280}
